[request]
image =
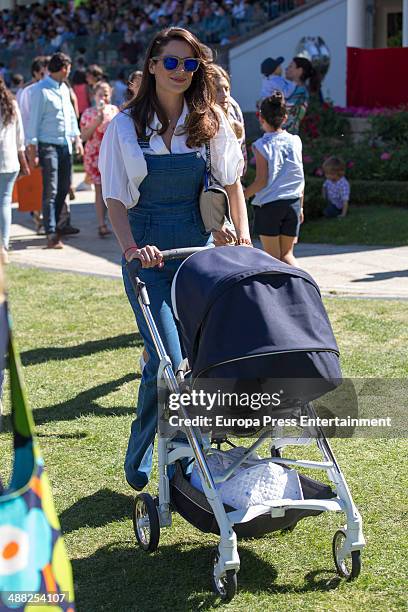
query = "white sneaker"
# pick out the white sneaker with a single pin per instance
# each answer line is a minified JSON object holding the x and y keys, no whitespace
{"x":84,"y":187}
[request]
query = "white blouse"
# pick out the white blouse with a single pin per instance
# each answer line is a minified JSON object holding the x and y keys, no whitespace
{"x":11,"y":142}
{"x":123,"y":166}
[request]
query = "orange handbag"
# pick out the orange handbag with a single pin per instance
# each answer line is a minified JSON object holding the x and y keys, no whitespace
{"x":29,"y":191}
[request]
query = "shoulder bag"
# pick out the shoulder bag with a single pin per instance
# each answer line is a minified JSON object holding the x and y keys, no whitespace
{"x":214,"y":202}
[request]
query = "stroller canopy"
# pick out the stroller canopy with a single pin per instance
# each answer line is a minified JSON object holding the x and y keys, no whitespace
{"x":244,"y":313}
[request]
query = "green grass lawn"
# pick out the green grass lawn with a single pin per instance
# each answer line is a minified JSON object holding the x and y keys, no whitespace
{"x":383,"y":225}
{"x":80,"y":354}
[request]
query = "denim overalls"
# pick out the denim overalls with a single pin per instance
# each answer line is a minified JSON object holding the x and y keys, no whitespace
{"x":168,"y":217}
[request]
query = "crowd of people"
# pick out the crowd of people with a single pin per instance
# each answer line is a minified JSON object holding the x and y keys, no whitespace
{"x":53,"y":24}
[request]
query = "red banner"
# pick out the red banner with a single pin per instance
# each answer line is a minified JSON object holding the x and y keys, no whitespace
{"x":377,"y":77}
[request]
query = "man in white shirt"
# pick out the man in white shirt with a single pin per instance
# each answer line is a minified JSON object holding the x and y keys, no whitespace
{"x":38,"y":72}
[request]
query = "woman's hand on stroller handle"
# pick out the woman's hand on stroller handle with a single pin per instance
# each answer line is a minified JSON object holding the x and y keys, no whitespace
{"x":136,"y":259}
{"x":224,"y":236}
{"x":149,"y":257}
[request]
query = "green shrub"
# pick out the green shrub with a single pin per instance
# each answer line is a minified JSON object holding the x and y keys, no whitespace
{"x":323,"y":121}
{"x":395,"y":41}
{"x":390,"y":127}
{"x":388,"y":193}
{"x":314,"y":202}
{"x":364,"y":161}
{"x":363,"y":193}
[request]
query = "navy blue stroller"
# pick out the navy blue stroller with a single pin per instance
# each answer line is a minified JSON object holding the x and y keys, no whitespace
{"x":248,"y":321}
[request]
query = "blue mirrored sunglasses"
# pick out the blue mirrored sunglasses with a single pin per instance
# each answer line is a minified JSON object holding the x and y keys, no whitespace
{"x":171,"y":62}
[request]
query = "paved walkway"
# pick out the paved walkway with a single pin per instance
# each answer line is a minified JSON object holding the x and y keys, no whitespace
{"x":339,"y":270}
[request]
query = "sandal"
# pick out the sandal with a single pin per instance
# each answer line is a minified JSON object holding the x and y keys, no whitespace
{"x":103,"y":231}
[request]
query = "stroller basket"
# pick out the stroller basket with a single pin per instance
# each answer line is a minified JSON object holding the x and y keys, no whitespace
{"x":193,"y":506}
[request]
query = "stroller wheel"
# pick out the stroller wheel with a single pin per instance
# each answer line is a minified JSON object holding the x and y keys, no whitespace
{"x":226,"y":586}
{"x":146,"y":522}
{"x":347,"y":567}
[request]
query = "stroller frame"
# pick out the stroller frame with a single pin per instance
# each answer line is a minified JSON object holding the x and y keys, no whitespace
{"x":150,"y":515}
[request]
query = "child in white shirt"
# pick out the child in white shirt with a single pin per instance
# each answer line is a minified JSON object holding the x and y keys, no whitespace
{"x":279,"y":182}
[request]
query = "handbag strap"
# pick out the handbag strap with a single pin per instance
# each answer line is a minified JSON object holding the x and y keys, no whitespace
{"x":23,"y":423}
{"x":207,"y":176}
{"x":21,"y":417}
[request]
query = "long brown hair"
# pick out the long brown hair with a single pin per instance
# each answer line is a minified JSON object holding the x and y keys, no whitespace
{"x":202,"y":122}
{"x":7,"y":107}
{"x":309,"y":73}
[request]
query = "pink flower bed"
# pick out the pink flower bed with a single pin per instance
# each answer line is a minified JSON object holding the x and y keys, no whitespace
{"x":362,"y":111}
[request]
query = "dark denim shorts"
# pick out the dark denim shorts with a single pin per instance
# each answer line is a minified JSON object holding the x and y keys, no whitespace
{"x":278,"y":218}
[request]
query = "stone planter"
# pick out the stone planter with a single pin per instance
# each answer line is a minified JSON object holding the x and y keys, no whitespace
{"x":360,"y":126}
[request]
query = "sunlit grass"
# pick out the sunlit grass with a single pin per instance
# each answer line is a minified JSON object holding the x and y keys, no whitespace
{"x":80,"y":353}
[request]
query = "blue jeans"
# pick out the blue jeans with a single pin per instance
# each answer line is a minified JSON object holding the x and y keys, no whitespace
{"x":166,"y":216}
{"x":138,"y":462}
{"x":55,"y":162}
{"x":331,"y":211}
{"x":7,"y":180}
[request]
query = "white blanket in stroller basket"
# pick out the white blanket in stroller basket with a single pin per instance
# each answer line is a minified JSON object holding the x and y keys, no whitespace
{"x":255,"y":482}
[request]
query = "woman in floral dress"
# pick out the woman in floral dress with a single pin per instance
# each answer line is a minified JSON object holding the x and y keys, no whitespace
{"x":94,"y":121}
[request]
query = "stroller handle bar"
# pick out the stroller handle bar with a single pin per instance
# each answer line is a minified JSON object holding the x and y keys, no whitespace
{"x":183,"y":253}
{"x":134,"y":266}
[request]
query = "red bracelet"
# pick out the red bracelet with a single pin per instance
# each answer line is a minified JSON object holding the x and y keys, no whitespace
{"x":130,"y":249}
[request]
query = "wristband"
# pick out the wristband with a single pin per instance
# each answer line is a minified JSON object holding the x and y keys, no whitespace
{"x":135,"y":247}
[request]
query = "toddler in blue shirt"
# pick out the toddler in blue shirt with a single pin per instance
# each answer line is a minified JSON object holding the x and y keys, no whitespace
{"x":272,"y":79}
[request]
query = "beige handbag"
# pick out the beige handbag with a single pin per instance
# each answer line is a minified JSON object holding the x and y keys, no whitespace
{"x":214,"y":202}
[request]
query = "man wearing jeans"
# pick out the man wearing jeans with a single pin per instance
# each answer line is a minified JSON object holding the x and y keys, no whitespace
{"x":52,"y":128}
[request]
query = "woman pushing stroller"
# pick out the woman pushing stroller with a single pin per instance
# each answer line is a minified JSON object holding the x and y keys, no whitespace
{"x":152,"y":163}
